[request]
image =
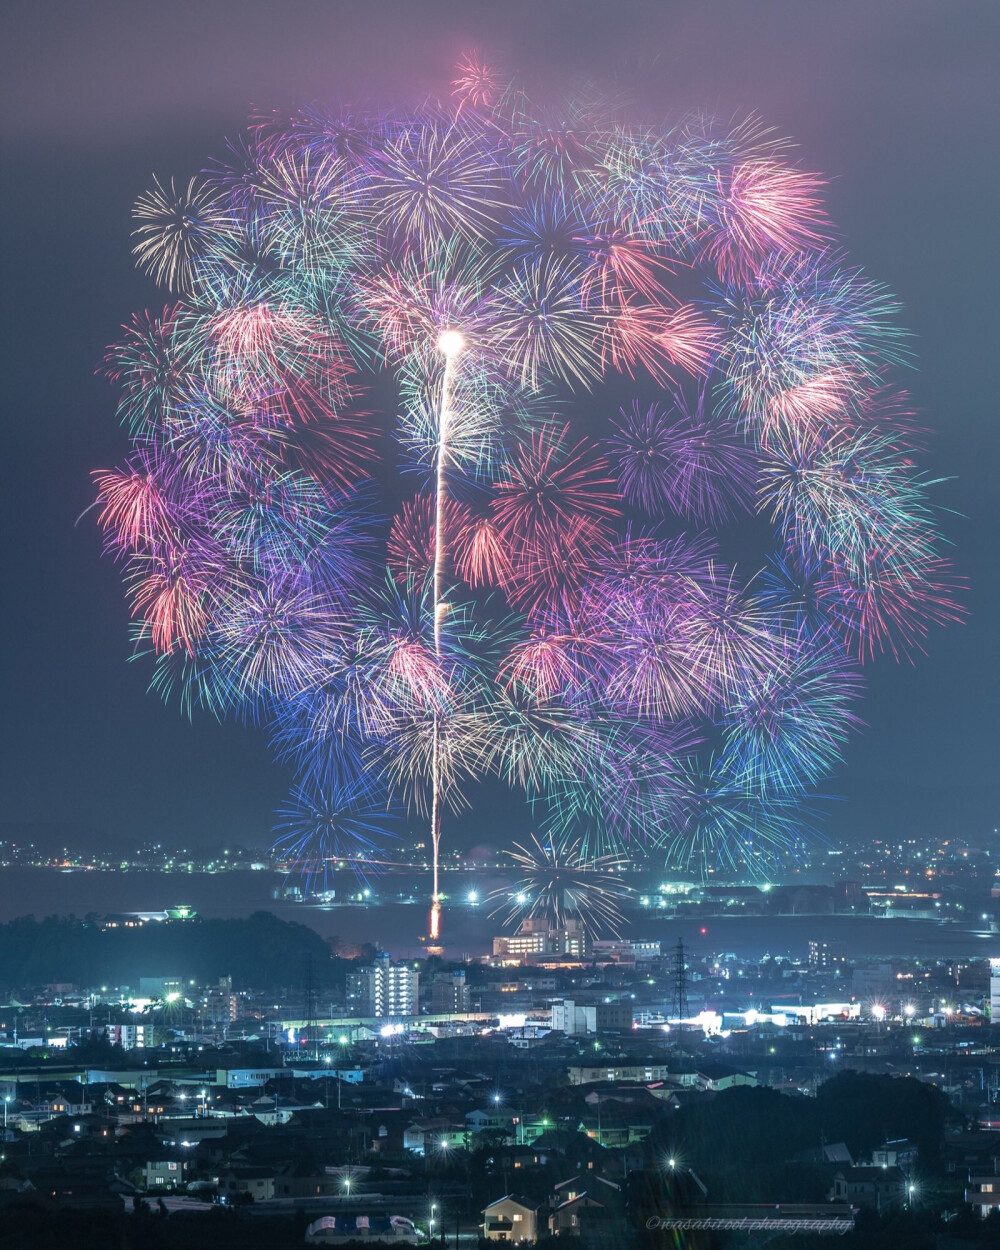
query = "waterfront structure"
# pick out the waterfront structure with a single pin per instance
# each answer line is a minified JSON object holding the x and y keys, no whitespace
{"x":621,"y":950}
{"x":537,"y":940}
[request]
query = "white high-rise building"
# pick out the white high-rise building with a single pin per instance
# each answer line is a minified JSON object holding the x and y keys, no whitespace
{"x":384,"y":990}
{"x":995,"y":991}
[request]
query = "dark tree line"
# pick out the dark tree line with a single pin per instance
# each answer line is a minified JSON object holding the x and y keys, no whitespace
{"x":744,"y":1141}
{"x":259,"y":951}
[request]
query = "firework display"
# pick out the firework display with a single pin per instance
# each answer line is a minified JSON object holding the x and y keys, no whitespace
{"x":607,"y":354}
{"x":558,"y":882}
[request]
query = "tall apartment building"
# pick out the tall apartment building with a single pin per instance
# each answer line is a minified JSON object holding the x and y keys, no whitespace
{"x":220,"y":1005}
{"x":995,"y":993}
{"x":447,"y":994}
{"x":384,"y":990}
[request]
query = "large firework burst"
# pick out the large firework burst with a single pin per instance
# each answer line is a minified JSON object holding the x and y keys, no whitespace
{"x":559,"y":881}
{"x":547,"y":607}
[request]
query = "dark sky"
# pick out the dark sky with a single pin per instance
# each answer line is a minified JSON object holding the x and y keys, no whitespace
{"x":896,"y":102}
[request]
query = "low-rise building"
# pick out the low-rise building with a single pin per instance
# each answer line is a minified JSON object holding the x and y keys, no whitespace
{"x":536,"y":941}
{"x":167,"y":1171}
{"x":511,"y":1218}
{"x":247,"y":1183}
{"x":881,"y":1188}
{"x":983,"y":1192}
{"x":424,"y":1137}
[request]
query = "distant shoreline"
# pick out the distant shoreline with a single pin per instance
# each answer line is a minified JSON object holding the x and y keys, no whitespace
{"x":468,"y":931}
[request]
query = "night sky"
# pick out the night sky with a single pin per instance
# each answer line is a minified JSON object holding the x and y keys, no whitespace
{"x":895,"y":102}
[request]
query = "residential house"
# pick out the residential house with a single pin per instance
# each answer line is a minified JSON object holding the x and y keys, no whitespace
{"x":240,"y":1184}
{"x":983,"y":1192}
{"x":586,"y":1206}
{"x":64,"y":1098}
{"x":303,"y":1179}
{"x":883,"y":1188}
{"x":565,"y":1218}
{"x":898,"y":1153}
{"x":715,"y":1077}
{"x":163,"y":1171}
{"x":490,"y":1122}
{"x":427,"y":1136}
{"x":511,"y":1218}
{"x":577,"y":1152}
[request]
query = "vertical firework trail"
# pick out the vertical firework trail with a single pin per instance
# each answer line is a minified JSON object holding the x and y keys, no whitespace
{"x":450,"y":344}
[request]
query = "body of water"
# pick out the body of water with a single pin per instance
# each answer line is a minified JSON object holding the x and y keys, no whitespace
{"x":468,"y":930}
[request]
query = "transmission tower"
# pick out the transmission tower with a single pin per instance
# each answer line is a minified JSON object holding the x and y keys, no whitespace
{"x":680,"y":1003}
{"x":310,"y":1008}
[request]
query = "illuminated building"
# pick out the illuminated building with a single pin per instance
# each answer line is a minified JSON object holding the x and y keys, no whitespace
{"x":535,"y":940}
{"x":384,"y":990}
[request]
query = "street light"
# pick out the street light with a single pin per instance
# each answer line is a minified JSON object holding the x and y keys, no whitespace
{"x":6,"y":1104}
